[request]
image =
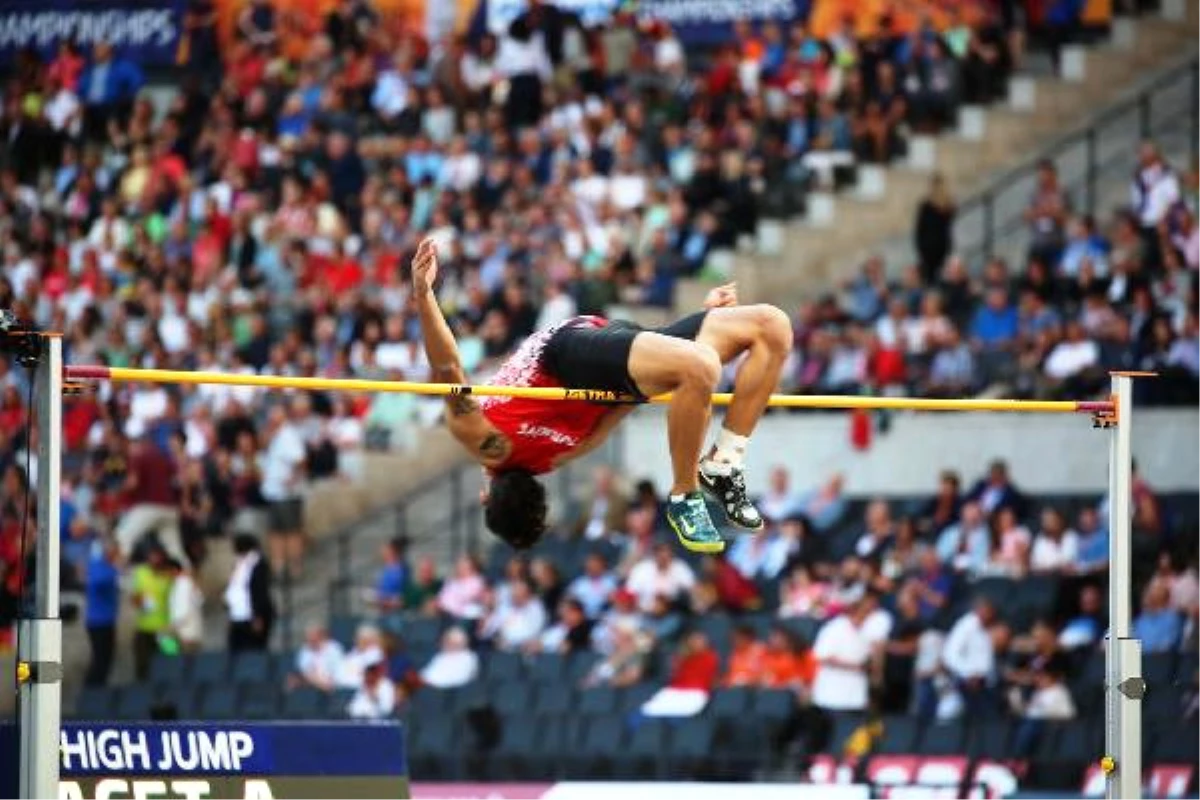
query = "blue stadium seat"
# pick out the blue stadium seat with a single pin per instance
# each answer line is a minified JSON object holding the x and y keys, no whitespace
{"x":547,"y":668}
{"x":560,"y":738}
{"x":1158,"y":669}
{"x":304,"y":703}
{"x":94,"y":702}
{"x":251,"y":668}
{"x":133,"y":702}
{"x":647,"y":747}
{"x":517,"y":749}
{"x":428,"y":700}
{"x":186,"y":698}
{"x":342,"y":629}
{"x":804,"y":627}
{"x":633,"y":697}
{"x":1187,"y":670}
{"x":998,"y":590}
{"x":718,"y":628}
{"x":473,"y":695}
{"x":420,"y":631}
{"x":512,"y":697}
{"x":553,"y":699}
{"x":773,"y":704}
{"x":220,"y":702}
{"x":730,"y":703}
{"x":499,"y":666}
{"x":1163,"y":703}
{"x":579,"y":665}
{"x":598,"y":700}
{"x":209,"y":668}
{"x":943,"y":738}
{"x":990,"y":739}
{"x":899,"y":735}
{"x":168,"y":670}
{"x":693,"y":740}
{"x":844,"y":724}
{"x":1076,"y":742}
{"x":335,"y":708}
{"x":602,"y":743}
{"x":1176,"y":743}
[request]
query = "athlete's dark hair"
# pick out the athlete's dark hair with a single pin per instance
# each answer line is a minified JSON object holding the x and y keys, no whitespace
{"x":516,"y":508}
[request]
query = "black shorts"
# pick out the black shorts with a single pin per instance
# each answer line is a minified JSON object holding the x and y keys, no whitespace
{"x":285,"y":516}
{"x":583,"y":357}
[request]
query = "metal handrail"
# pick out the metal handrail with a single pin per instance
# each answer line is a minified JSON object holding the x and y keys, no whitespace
{"x":1087,"y":134}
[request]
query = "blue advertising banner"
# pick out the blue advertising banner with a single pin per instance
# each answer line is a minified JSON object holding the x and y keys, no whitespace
{"x":145,"y":31}
{"x":264,"y":759}
{"x":710,"y":22}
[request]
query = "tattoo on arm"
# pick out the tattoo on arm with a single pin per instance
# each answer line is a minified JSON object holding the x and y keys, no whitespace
{"x":461,"y":405}
{"x":493,"y":446}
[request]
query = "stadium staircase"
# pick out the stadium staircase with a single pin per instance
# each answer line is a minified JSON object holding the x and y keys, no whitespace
{"x":794,"y":259}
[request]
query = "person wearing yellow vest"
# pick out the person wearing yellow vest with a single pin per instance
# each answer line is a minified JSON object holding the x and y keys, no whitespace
{"x":151,"y":597}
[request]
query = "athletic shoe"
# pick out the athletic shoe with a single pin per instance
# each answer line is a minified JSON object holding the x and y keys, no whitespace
{"x":730,"y":491}
{"x":690,"y":520}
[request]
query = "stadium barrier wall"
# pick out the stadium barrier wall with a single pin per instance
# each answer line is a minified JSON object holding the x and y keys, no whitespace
{"x":256,"y":761}
{"x":1046,"y":454}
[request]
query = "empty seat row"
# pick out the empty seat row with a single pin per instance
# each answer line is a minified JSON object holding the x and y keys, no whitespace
{"x":217,"y":702}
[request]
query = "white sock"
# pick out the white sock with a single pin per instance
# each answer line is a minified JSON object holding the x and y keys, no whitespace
{"x":677,"y":498}
{"x":729,"y":451}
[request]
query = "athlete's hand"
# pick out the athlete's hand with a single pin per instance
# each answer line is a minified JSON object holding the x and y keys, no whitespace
{"x":722,"y":297}
{"x":425,"y":266}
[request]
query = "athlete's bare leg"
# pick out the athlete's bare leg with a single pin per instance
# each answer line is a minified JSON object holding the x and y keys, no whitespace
{"x":689,"y":371}
{"x":764,"y":333}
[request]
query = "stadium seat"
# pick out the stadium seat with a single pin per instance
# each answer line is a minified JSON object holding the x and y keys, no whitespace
{"x":553,"y":699}
{"x":1076,"y":742}
{"x":730,"y":703}
{"x":512,"y":759}
{"x":598,"y":700}
{"x":899,"y":735}
{"x":943,"y":738}
{"x":187,"y":699}
{"x":844,"y":724}
{"x":547,"y":668}
{"x":251,"y":668}
{"x":603,"y":740}
{"x":433,"y":746}
{"x":998,"y":590}
{"x":1033,"y":597}
{"x":1093,"y":671}
{"x":806,"y":628}
{"x":512,"y":697}
{"x":647,"y":747}
{"x":579,"y":665}
{"x":260,"y":705}
{"x":990,"y":739}
{"x":561,"y":737}
{"x":428,"y":700}
{"x":1187,"y":670}
{"x":461,"y":700}
{"x":690,"y":747}
{"x":499,"y":667}
{"x":1158,"y":669}
{"x":209,"y":668}
{"x":342,"y":629}
{"x":773,"y":704}
{"x":421,"y":632}
{"x":718,"y":628}
{"x":1163,"y":703}
{"x":220,"y":702}
{"x":168,"y":670}
{"x":304,"y":703}
{"x":1176,"y":743}
{"x":133,"y":702}
{"x":335,"y":708}
{"x":632,"y":698}
{"x":94,"y":702}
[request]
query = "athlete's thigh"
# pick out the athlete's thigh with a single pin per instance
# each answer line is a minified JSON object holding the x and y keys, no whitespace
{"x":730,"y":331}
{"x":657,"y":362}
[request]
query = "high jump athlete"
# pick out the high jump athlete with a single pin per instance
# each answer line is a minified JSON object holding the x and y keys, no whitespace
{"x":516,"y":438}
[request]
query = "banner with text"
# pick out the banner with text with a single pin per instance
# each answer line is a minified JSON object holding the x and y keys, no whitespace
{"x":146,"y":31}
{"x":261,"y":761}
{"x":710,"y":22}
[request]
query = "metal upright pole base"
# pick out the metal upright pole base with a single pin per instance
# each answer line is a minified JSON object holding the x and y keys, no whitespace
{"x":1124,"y":686}
{"x":40,"y":657}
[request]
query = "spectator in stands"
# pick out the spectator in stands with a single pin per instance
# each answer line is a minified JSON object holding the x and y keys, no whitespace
{"x":995,"y":325}
{"x":103,"y":589}
{"x":1010,"y":545}
{"x":454,"y":665}
{"x":391,"y":583}
{"x":843,"y":652}
{"x":1179,"y":575}
{"x":944,"y":508}
{"x":368,"y":648}
{"x":1072,"y":367}
{"x":186,"y":604}
{"x":894,"y":667}
{"x":662,"y":574}
{"x":1155,"y":189}
{"x":745,"y":658}
{"x":788,"y":663}
{"x":1087,"y":626}
{"x":662,"y":622}
{"x":572,"y":633}
{"x":604,"y":511}
{"x":997,"y":491}
{"x":512,"y":625}
{"x":1084,"y":246}
{"x":151,"y":584}
{"x":547,"y":584}
{"x":1056,"y":546}
{"x":376,"y":697}
{"x":462,"y":595}
{"x":762,"y":556}
{"x":108,"y":87}
{"x":283,"y":465}
{"x":879,"y":532}
{"x":933,"y":232}
{"x":318,"y":661}
{"x":1047,"y":215}
{"x":594,"y":587}
{"x":969,"y":658}
{"x":903,"y":556}
{"x":1093,"y":544}
{"x":152,"y":506}
{"x":779,"y":501}
{"x":248,"y":597}
{"x":931,"y":585}
{"x":1158,"y":626}
{"x":802,"y":595}
{"x":694,"y":674}
{"x":825,"y":506}
{"x":625,"y":662}
{"x":1050,"y":701}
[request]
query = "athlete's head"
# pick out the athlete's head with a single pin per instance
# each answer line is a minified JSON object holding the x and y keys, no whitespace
{"x":515,"y":508}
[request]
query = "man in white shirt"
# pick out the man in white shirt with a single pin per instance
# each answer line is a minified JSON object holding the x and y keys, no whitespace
{"x":969,"y":657}
{"x":517,"y":622}
{"x":593,"y":588}
{"x":761,"y":556}
{"x":1074,"y":354}
{"x":455,"y":665}
{"x":376,"y":698}
{"x":1155,"y":188}
{"x":843,"y":649}
{"x":319,"y":659}
{"x":283,"y":465}
{"x":779,"y":501}
{"x":660,"y":575}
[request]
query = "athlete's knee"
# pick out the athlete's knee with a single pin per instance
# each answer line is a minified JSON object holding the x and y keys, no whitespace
{"x":700,"y":368}
{"x":774,"y":328}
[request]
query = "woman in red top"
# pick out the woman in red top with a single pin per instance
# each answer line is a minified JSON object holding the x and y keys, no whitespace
{"x":516,"y":439}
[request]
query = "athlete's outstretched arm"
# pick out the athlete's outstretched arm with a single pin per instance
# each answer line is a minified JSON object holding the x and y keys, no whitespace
{"x":463,"y":417}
